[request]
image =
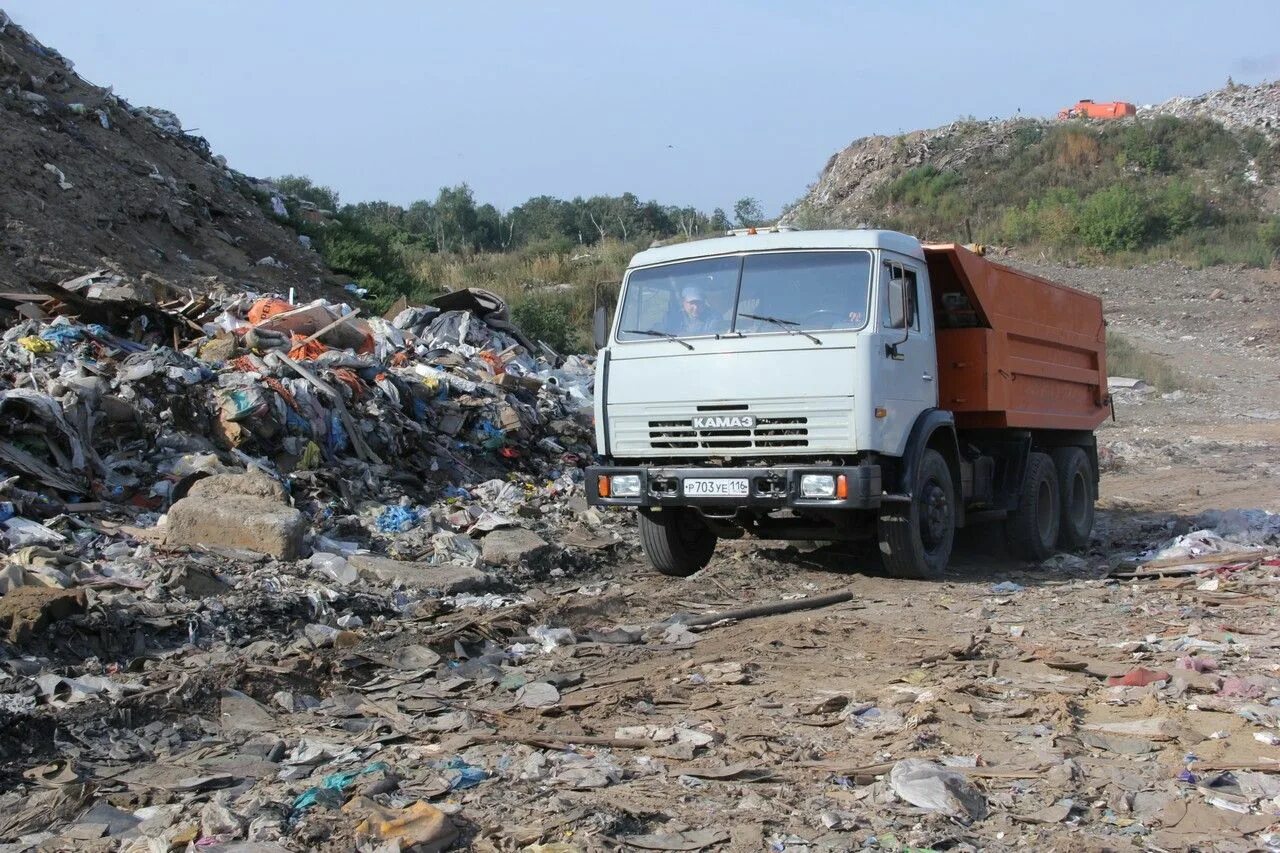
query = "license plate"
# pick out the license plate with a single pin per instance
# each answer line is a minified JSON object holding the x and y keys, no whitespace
{"x":719,"y":487}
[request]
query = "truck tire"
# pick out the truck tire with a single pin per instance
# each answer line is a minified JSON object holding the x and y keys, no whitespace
{"x":916,"y":537}
{"x":1032,"y":528}
{"x":677,"y":542}
{"x":1075,"y":487}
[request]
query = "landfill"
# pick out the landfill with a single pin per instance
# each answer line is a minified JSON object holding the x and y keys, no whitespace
{"x":287,"y":576}
{"x":282,"y":574}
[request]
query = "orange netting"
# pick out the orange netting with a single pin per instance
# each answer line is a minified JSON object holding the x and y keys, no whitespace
{"x":348,"y":377}
{"x":285,"y":394}
{"x":306,"y":351}
{"x":495,"y":362}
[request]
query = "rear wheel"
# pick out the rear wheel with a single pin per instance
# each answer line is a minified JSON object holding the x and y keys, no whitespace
{"x":916,"y":537}
{"x":676,"y":541}
{"x":1032,"y":528}
{"x":1075,"y":488}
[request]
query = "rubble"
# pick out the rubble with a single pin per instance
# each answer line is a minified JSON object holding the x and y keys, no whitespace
{"x":511,"y":547}
{"x":1236,"y":106}
{"x":447,"y":650}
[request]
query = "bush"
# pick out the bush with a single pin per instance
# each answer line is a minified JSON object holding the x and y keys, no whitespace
{"x":1179,"y":208}
{"x":1114,"y":219}
{"x":1077,"y":149}
{"x":549,"y":319}
{"x":1053,"y":218}
{"x":1269,"y":233}
{"x":1138,"y":147}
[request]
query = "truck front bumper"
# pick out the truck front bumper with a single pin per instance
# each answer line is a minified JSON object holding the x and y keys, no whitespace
{"x":775,"y":487}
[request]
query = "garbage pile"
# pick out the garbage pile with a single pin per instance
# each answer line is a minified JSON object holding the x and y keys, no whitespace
{"x":337,"y":407}
{"x":378,"y":449}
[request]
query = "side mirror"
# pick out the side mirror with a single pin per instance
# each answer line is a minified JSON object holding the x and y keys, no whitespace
{"x":600,"y":328}
{"x":897,"y":299}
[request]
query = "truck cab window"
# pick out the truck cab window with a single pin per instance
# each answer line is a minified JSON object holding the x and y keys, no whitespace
{"x":803,"y":291}
{"x":897,"y":272}
{"x":685,"y":300}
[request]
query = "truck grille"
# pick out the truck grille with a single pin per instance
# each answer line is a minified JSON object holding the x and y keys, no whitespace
{"x":767,"y":433}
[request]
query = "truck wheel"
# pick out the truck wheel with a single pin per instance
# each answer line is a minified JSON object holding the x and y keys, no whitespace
{"x":1033,"y":527}
{"x":916,"y":537}
{"x":677,"y":542}
{"x":1075,"y":481}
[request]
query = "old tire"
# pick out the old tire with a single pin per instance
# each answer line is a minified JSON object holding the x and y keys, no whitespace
{"x":1032,"y":528}
{"x":677,"y":542}
{"x":1076,"y":496}
{"x":916,"y":537}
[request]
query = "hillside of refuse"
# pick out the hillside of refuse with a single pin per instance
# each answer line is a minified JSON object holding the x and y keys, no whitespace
{"x":92,"y":181}
{"x":1197,"y":178}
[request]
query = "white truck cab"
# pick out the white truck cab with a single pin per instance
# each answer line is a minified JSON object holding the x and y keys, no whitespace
{"x":780,"y":384}
{"x":788,"y":336}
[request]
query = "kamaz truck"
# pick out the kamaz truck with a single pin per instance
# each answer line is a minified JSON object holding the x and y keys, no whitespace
{"x":846,"y":385}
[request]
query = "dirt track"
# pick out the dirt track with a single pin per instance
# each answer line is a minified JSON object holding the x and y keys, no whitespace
{"x":821,"y":704}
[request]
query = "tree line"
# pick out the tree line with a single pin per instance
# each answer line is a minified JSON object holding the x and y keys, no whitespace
{"x":455,"y":223}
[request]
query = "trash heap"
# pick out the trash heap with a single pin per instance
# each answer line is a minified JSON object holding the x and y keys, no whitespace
{"x":445,"y":418}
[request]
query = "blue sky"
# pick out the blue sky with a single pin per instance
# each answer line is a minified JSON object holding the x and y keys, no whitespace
{"x":687,"y":102}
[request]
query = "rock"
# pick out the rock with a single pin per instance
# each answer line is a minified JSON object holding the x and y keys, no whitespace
{"x":234,"y":521}
{"x":447,"y":578}
{"x":251,"y":485}
{"x":511,"y":547}
{"x":26,"y":610}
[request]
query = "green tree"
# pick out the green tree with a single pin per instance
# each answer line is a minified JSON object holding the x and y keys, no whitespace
{"x":456,"y":219}
{"x":747,"y":212}
{"x":325,"y":198}
{"x":720,"y":220}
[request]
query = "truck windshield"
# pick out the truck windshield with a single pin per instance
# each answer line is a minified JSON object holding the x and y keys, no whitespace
{"x":749,"y":294}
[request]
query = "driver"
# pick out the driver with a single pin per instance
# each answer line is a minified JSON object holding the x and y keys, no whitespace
{"x":695,"y":316}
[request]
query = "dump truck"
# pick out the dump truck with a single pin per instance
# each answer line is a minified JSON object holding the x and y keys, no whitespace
{"x":845,"y":385}
{"x":1089,"y":109}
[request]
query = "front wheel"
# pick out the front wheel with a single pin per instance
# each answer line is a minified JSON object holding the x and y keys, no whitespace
{"x":916,"y":537}
{"x":676,"y":541}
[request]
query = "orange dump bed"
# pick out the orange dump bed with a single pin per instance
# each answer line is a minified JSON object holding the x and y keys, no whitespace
{"x":1014,"y":349}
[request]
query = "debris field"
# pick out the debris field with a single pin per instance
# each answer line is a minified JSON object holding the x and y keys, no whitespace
{"x":283,"y":574}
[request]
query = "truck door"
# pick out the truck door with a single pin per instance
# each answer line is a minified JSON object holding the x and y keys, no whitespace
{"x":909,"y":357}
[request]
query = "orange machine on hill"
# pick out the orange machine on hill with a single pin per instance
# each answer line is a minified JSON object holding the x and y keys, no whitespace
{"x":1089,"y":109}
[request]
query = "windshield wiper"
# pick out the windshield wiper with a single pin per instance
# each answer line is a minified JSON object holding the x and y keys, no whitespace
{"x":654,"y":333}
{"x":785,"y":324}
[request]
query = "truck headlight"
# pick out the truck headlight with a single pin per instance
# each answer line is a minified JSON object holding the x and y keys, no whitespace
{"x":824,"y":486}
{"x":625,"y":485}
{"x":817,"y":486}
